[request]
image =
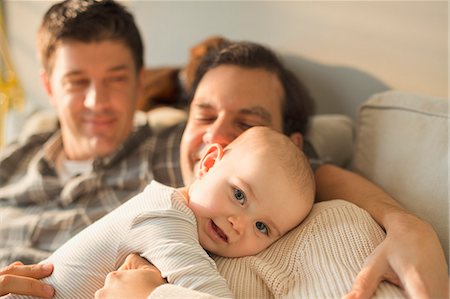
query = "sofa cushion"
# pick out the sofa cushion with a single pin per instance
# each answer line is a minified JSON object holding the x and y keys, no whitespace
{"x":332,"y":136}
{"x":402,"y":146}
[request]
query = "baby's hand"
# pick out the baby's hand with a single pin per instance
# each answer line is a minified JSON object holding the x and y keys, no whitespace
{"x":136,"y":278}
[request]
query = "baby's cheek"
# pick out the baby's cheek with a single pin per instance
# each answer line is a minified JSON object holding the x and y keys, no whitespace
{"x":253,"y":247}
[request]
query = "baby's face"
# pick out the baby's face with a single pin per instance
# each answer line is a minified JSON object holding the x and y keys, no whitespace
{"x":244,"y":203}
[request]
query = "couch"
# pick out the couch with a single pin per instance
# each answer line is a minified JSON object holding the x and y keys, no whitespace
{"x":402,"y":146}
{"x":399,"y":141}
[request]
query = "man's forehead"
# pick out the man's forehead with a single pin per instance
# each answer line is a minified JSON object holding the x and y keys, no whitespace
{"x":109,"y":56}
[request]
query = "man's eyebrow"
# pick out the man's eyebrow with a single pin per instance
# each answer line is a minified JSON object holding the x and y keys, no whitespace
{"x":116,"y":68}
{"x":258,"y":111}
{"x":73,"y":73}
{"x":120,"y":67}
{"x":203,"y":105}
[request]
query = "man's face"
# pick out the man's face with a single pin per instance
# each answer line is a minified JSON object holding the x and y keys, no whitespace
{"x":94,"y":88}
{"x":228,"y":100}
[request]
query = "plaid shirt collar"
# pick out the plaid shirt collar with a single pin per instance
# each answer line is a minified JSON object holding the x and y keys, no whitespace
{"x":54,"y":146}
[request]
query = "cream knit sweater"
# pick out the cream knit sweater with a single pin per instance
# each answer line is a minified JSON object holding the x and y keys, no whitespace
{"x":318,"y":259}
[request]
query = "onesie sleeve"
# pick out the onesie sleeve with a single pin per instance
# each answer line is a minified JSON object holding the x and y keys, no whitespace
{"x":168,"y":239}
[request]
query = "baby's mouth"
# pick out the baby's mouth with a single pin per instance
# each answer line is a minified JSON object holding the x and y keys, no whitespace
{"x":219,"y":232}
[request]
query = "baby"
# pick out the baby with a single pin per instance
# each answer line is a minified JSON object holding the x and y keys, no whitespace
{"x":247,"y":196}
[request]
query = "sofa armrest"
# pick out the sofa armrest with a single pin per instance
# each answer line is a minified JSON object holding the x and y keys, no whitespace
{"x":402,"y":146}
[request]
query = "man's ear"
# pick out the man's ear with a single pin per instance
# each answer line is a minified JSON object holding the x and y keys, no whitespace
{"x":212,"y":156}
{"x":297,"y":138}
{"x":45,"y":80}
{"x":141,"y":102}
{"x":141,"y":81}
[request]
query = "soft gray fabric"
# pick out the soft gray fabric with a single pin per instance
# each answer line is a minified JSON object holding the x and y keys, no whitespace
{"x":402,"y":145}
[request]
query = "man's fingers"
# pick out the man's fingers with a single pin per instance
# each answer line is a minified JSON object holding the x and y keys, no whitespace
{"x":393,"y":278}
{"x":134,"y":261}
{"x":21,"y":279}
{"x":24,"y":286}
{"x":17,"y":263}
{"x":32,"y":271}
{"x":366,"y":282}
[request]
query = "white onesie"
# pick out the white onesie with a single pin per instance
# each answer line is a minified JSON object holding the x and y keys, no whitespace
{"x":158,"y":225}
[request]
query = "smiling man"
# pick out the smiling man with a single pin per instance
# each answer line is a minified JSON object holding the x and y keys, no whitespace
{"x":55,"y":184}
{"x":93,"y":88}
{"x":229,"y":101}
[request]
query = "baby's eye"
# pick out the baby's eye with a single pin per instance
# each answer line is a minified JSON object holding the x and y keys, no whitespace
{"x":240,"y":196}
{"x":262,"y":227}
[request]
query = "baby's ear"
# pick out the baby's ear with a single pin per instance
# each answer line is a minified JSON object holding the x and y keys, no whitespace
{"x":212,"y":155}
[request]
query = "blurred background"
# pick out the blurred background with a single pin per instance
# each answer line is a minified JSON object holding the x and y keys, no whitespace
{"x":344,"y":51}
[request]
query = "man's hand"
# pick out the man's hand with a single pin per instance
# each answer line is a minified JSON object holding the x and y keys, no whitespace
{"x":24,"y":280}
{"x":411,"y":258}
{"x":136,"y":278}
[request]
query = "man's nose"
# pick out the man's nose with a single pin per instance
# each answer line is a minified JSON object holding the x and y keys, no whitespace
{"x":96,"y":95}
{"x":220,"y":132}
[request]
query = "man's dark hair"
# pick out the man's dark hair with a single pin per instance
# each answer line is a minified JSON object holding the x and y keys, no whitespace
{"x":297,"y":104}
{"x":88,"y":21}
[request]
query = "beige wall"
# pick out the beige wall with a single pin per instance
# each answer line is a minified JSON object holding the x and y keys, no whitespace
{"x":344,"y":51}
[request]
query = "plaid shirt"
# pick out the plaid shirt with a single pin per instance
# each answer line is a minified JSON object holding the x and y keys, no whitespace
{"x":38,"y":213}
